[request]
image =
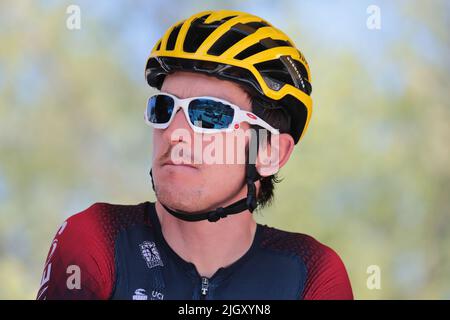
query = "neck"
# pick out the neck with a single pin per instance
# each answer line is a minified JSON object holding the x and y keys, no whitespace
{"x":208,"y":245}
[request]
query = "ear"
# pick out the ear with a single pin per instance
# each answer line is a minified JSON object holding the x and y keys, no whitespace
{"x":274,"y":155}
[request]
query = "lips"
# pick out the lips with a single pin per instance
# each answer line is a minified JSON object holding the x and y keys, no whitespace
{"x":184,"y":163}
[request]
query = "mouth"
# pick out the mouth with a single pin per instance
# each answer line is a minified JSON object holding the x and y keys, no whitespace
{"x":170,"y":163}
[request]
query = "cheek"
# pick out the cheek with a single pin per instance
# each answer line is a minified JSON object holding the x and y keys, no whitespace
{"x":157,"y":143}
{"x":223,"y":179}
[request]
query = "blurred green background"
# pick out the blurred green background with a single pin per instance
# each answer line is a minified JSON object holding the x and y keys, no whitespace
{"x":371,"y":178}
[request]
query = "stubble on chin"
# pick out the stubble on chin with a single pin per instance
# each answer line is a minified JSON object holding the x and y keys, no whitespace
{"x":182,"y":200}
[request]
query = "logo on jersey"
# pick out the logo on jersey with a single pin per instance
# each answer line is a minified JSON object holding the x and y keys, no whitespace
{"x":150,"y":254}
{"x":140,"y":294}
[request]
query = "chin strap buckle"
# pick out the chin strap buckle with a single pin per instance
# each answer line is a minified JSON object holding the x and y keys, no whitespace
{"x":217,"y":214}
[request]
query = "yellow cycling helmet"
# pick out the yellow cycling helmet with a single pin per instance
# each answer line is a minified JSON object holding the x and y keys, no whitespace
{"x":240,"y":47}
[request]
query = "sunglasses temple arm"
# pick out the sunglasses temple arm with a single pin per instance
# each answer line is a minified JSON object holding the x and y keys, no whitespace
{"x":264,"y":125}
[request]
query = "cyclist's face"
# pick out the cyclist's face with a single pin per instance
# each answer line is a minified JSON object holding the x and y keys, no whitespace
{"x":211,"y":168}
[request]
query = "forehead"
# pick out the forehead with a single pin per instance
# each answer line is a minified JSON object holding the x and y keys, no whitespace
{"x":189,"y":84}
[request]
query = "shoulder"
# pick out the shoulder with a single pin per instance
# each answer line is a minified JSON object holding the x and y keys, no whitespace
{"x":303,"y":245}
{"x":85,"y":243}
{"x":326,"y":275}
{"x":99,"y":225}
{"x":105,"y":220}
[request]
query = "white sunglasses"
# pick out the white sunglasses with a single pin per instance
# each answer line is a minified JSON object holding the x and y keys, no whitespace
{"x":204,"y":114}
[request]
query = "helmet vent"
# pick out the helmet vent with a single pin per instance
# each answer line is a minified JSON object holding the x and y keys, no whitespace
{"x":159,"y":45}
{"x":173,"y":38}
{"x":256,"y":25}
{"x":230,"y":37}
{"x":260,"y":46}
{"x":199,"y":31}
{"x":276,"y":70}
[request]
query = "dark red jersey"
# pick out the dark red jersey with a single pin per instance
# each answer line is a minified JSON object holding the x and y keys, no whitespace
{"x":118,"y":252}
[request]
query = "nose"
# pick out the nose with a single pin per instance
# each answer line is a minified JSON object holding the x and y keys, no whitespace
{"x":179,"y":124}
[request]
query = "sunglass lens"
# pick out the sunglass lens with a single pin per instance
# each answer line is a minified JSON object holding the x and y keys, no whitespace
{"x":210,"y":114}
{"x":159,"y":109}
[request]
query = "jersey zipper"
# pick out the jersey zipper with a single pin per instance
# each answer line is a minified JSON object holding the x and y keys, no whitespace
{"x":204,"y":288}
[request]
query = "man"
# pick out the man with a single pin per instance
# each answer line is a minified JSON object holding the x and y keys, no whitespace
{"x":221,"y":75}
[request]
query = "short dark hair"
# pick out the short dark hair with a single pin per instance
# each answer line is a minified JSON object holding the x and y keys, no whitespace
{"x":278,"y":118}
